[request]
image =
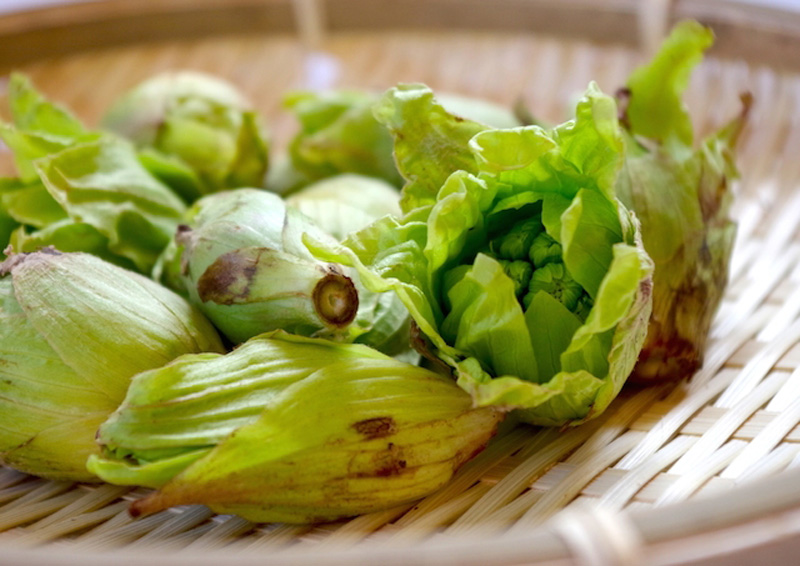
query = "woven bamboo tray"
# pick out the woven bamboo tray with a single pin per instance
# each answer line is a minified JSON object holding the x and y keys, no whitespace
{"x":706,"y":471}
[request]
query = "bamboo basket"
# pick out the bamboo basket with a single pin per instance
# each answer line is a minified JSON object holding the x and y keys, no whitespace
{"x":705,"y":471}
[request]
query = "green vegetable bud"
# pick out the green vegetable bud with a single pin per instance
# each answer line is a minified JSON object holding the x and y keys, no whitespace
{"x":450,"y":278}
{"x":346,"y":203}
{"x":584,"y":306}
{"x":244,"y":264}
{"x":681,"y":194}
{"x":514,"y":244}
{"x":245,"y":267}
{"x":199,"y":119}
{"x":74,"y":330}
{"x":544,"y":250}
{"x":520,"y":273}
{"x":470,"y":187}
{"x":556,"y":281}
{"x":339,"y":134}
{"x":395,"y":432}
{"x":7,"y":227}
{"x":478,"y":110}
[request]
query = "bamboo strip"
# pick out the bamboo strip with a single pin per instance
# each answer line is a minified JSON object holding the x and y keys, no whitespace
{"x":16,"y":491}
{"x":625,"y":489}
{"x":765,"y":441}
{"x":775,"y":462}
{"x":692,"y":479}
{"x":356,"y":529}
{"x":20,"y":515}
{"x":281,"y":535}
{"x":621,"y":414}
{"x":720,"y":351}
{"x":229,"y":529}
{"x":42,"y":491}
{"x":178,"y":522}
{"x":497,"y":451}
{"x":681,"y":412}
{"x":440,"y":516}
{"x":705,"y":419}
{"x":9,"y":478}
{"x":111,"y":533}
{"x":650,"y":492}
{"x":522,"y":476}
{"x":585,"y":471}
{"x":722,"y":430}
{"x":598,"y":536}
{"x":758,"y":367}
{"x":787,"y":394}
{"x":765,"y":278}
{"x":92,"y":500}
{"x":70,"y":524}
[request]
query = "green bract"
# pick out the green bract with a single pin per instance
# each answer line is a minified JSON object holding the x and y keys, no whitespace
{"x":197,"y":129}
{"x":557,"y":346}
{"x":346,"y":203}
{"x":294,"y":429}
{"x":74,"y":330}
{"x":682,"y":196}
{"x":7,"y":227}
{"x":242,"y":261}
{"x":79,"y":190}
{"x":339,"y":134}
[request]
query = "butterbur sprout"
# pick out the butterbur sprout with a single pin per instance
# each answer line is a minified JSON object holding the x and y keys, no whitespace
{"x":74,"y":330}
{"x":682,"y":196}
{"x":241,"y":259}
{"x":320,"y":431}
{"x":345,"y":203}
{"x":188,"y":118}
{"x":520,"y":268}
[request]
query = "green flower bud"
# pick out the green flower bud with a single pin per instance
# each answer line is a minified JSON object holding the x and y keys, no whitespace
{"x":339,"y":134}
{"x":200,"y":119}
{"x":514,"y":244}
{"x":467,"y":187}
{"x":544,"y":250}
{"x":478,"y":110}
{"x":555,"y":280}
{"x":245,"y":267}
{"x":584,"y":306}
{"x":74,"y":330}
{"x":450,"y":278}
{"x":244,"y":264}
{"x":682,"y":194}
{"x":346,"y":203}
{"x":520,"y":273}
{"x":255,"y":432}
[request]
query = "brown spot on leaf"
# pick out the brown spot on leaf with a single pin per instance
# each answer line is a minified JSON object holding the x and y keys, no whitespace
{"x":394,"y":468}
{"x":378,"y":427}
{"x":623,"y":96}
{"x":668,"y":358}
{"x":227,"y":281}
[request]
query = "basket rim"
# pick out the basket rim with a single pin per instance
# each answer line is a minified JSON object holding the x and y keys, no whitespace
{"x":753,"y":31}
{"x":763,"y":499}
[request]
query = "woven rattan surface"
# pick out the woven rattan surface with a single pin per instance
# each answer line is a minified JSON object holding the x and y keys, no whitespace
{"x":735,"y":422}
